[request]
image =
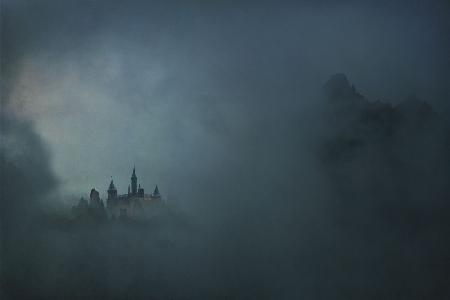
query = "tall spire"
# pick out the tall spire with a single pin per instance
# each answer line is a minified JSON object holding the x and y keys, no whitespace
{"x":134,"y":181}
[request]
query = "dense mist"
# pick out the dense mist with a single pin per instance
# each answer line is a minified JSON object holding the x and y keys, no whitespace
{"x":303,"y":149}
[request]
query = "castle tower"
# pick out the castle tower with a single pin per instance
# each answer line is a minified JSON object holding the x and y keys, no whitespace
{"x":94,"y":198}
{"x":134,"y":182}
{"x":112,"y":191}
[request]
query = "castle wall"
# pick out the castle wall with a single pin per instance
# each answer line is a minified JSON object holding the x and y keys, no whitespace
{"x":136,"y":207}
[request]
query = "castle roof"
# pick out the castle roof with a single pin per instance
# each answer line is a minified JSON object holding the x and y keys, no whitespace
{"x":156,"y":192}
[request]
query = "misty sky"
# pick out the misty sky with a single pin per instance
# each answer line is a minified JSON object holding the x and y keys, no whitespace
{"x":188,"y":86}
{"x":277,"y":185}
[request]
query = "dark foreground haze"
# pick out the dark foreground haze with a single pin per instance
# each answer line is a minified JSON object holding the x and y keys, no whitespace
{"x":286,"y":177}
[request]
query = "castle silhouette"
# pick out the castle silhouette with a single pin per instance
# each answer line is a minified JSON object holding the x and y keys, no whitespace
{"x":133,"y":204}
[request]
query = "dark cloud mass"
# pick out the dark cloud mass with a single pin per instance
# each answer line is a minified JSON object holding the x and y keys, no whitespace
{"x":283,"y":181}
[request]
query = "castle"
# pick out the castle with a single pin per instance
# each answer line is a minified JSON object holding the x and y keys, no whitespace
{"x":134,"y":204}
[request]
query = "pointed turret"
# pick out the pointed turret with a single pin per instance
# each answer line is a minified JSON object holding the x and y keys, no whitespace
{"x":111,"y":185}
{"x":112,"y":191}
{"x":156,"y":193}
